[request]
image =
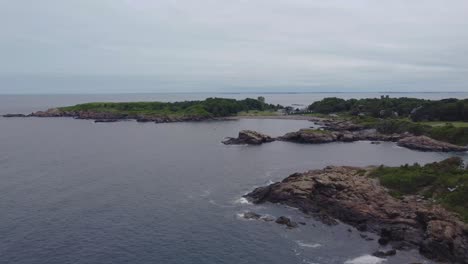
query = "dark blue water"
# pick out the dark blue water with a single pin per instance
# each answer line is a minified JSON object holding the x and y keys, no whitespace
{"x":72,"y":191}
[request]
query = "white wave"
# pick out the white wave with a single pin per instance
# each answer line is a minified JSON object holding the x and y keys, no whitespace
{"x":242,"y":200}
{"x":308,"y":245}
{"x":205,"y":193}
{"x":366,"y":259}
{"x":240,"y":215}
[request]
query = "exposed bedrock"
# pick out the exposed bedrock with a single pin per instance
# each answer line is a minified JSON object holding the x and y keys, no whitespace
{"x":249,"y":137}
{"x":346,"y":194}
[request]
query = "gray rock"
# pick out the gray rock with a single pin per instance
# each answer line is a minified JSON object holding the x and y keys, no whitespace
{"x":249,"y":137}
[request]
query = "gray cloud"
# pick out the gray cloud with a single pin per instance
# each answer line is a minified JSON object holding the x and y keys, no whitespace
{"x":236,"y":45}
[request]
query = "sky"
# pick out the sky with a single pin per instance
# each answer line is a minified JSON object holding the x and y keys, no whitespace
{"x":113,"y":46}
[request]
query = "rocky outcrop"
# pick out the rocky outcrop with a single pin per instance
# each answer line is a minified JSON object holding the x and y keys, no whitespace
{"x":310,"y":136}
{"x":249,"y":137}
{"x":428,"y":144}
{"x":52,"y":112}
{"x":282,"y":220}
{"x":315,"y":136}
{"x":346,"y":194}
{"x":14,"y":115}
{"x":104,"y":117}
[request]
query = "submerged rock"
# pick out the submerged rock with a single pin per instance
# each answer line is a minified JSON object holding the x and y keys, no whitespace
{"x":255,"y":216}
{"x":428,"y":144}
{"x":251,"y":215}
{"x":283,"y":220}
{"x":249,"y":137}
{"x":384,"y":253}
{"x":344,"y":194}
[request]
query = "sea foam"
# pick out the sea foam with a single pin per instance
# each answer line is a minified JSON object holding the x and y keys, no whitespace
{"x":308,"y":245}
{"x":242,"y":200}
{"x":366,"y":259}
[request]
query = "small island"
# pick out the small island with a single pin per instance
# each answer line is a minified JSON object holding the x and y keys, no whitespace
{"x":159,"y":112}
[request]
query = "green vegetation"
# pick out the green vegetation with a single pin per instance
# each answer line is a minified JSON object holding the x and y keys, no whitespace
{"x":443,"y":120}
{"x":447,"y":132}
{"x":386,"y":107}
{"x":383,"y":107}
{"x":442,"y":110}
{"x":445,"y":181}
{"x":211,"y":107}
{"x":439,"y":124}
{"x":315,"y":131}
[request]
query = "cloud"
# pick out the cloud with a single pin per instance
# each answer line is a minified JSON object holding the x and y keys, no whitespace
{"x":214,"y":45}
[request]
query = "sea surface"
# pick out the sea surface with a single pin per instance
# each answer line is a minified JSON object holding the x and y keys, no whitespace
{"x":72,"y":191}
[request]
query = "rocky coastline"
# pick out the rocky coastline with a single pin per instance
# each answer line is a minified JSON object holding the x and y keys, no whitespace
{"x":424,"y":143}
{"x":348,"y":195}
{"x":319,"y":136}
{"x":107,"y":117}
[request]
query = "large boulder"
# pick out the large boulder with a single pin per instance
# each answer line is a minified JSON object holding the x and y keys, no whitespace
{"x":249,"y":137}
{"x":428,"y":144}
{"x":347,"y":194}
{"x":311,"y":136}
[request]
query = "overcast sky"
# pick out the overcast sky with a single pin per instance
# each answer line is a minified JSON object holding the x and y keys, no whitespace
{"x":232,"y":45}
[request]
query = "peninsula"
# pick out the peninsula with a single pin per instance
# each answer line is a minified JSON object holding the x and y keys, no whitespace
{"x":159,"y":112}
{"x":411,"y":206}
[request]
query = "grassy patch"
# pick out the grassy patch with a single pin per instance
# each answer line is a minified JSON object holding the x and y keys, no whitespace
{"x":445,"y":181}
{"x":447,"y":132}
{"x":316,"y":131}
{"x":441,"y":124}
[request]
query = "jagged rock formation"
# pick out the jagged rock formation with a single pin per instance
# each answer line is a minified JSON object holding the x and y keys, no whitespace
{"x":315,"y":136}
{"x":249,"y":137}
{"x":428,"y":144}
{"x":346,"y":194}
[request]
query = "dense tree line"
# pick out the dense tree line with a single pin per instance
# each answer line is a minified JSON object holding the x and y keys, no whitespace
{"x":442,"y":110}
{"x":385,"y":107}
{"x":216,"y":107}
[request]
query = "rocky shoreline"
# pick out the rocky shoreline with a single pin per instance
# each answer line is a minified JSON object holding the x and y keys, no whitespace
{"x":346,"y":194}
{"x":333,"y":130}
{"x":318,"y":136}
{"x":107,"y":117}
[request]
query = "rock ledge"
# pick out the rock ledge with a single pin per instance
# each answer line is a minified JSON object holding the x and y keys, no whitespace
{"x":344,"y":193}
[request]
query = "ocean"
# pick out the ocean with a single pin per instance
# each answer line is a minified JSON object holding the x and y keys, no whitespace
{"x":75,"y":191}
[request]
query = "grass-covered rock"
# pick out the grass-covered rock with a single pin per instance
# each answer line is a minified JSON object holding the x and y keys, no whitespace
{"x":446,"y":182}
